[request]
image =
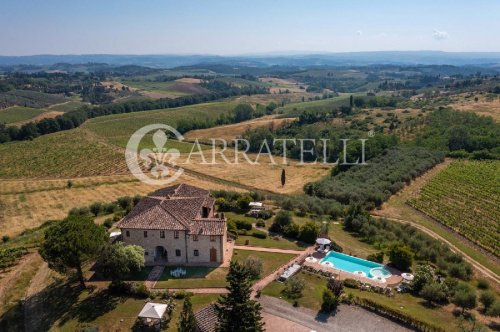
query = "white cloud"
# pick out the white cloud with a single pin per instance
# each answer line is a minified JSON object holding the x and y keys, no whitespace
{"x":359,"y":32}
{"x":439,"y":35}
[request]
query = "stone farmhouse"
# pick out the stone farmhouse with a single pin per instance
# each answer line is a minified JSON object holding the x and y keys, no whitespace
{"x":177,"y":225}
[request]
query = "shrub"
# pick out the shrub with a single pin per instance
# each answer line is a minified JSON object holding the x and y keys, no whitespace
{"x":309,"y":232}
{"x":265,"y":214}
{"x":351,"y":283}
{"x":259,"y":235}
{"x":243,"y":224}
{"x":118,"y":287}
{"x":96,"y":208}
{"x":377,"y":257}
{"x":5,"y":238}
{"x":125,"y":202}
{"x":336,"y":247}
{"x":281,"y":220}
{"x":291,"y":231}
{"x":433,"y":292}
{"x":254,"y":267}
{"x":494,"y":309}
{"x":108,"y":223}
{"x":182,"y":294}
{"x":483,"y":284}
{"x":401,"y":256}
{"x":487,"y":298}
{"x":243,"y":202}
{"x":330,"y":302}
{"x":294,"y":287}
{"x":140,"y":290}
{"x":260,"y":223}
{"x":109,"y":208}
{"x":336,"y":286}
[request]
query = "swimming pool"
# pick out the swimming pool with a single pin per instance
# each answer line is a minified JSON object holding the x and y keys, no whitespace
{"x":356,"y":265}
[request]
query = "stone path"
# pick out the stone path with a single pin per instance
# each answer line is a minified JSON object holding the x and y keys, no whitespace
{"x":153,"y":276}
{"x":276,"y":250}
{"x":213,"y":290}
{"x":347,"y":318}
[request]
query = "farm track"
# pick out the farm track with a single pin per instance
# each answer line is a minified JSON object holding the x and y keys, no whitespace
{"x":478,"y":266}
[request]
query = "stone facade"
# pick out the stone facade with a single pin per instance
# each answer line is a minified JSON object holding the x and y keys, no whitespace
{"x":177,"y":225}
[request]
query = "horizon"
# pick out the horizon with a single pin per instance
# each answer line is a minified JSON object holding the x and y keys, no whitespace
{"x":233,"y":29}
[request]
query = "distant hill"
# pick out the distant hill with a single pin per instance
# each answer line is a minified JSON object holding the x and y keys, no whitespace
{"x":489,"y":59}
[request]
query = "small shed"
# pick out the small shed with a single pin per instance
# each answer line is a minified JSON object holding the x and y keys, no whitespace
{"x":206,"y":319}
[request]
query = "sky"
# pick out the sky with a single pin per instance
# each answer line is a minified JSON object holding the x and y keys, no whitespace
{"x":246,"y":27}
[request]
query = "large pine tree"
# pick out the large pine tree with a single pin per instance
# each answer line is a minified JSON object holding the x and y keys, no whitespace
{"x":236,"y":311}
{"x":187,"y":321}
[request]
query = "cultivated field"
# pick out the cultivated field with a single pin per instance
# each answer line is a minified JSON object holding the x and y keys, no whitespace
{"x":26,"y":204}
{"x":466,"y":197}
{"x":170,"y":89}
{"x":232,"y":131}
{"x":118,"y":128}
{"x":15,"y":114}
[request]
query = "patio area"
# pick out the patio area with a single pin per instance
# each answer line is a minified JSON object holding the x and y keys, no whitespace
{"x":313,"y":262}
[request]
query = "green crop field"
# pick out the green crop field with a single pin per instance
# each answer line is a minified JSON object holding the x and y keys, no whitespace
{"x":118,"y":128}
{"x":63,"y":154}
{"x":466,"y":197}
{"x":17,"y":113}
{"x":68,"y":106}
{"x":316,"y":106}
{"x":172,"y":88}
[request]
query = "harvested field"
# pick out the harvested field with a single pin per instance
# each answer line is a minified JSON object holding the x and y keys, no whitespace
{"x":27,"y":204}
{"x":232,"y":131}
{"x":45,"y":115}
{"x":189,"y":80}
{"x":484,"y":106}
{"x":263,"y":176}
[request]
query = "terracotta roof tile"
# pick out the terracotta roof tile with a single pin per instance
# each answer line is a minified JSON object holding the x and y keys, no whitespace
{"x":207,"y":319}
{"x":172,"y":209}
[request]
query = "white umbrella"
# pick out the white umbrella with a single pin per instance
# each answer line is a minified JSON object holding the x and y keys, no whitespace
{"x":407,"y":276}
{"x":323,"y":241}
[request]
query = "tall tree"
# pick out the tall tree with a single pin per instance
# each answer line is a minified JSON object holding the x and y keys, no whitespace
{"x":187,"y":321}
{"x":235,"y":310}
{"x":115,"y":261}
{"x":72,"y":242}
{"x":283,"y":177}
{"x":351,"y":101}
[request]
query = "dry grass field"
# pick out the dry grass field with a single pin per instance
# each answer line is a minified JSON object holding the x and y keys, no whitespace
{"x":232,"y":131}
{"x":26,"y":204}
{"x":263,"y":176}
{"x":484,"y":106}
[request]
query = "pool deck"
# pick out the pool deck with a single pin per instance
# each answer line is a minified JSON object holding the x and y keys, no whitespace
{"x":393,"y":280}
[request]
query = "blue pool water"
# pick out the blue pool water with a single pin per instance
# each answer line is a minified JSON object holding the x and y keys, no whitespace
{"x":350,"y":264}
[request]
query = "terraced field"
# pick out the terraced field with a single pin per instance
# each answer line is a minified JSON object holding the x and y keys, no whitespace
{"x":466,"y":197}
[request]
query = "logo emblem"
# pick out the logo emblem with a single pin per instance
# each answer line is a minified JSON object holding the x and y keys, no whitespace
{"x":156,"y":166}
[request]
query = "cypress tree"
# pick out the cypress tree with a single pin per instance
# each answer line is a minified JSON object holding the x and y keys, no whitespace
{"x":235,"y":310}
{"x":187,"y":321}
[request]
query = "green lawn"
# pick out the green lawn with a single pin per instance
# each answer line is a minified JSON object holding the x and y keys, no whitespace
{"x":196,"y":277}
{"x":311,"y":295}
{"x":269,"y":242}
{"x":111,"y":313}
{"x":18,"y":113}
{"x":312,"y":298}
{"x":271,"y":261}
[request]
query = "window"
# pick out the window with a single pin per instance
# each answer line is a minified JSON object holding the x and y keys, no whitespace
{"x":212,"y":238}
{"x":127,"y":233}
{"x":195,"y":237}
{"x":145,"y":233}
{"x":177,"y":252}
{"x":176,"y":234}
{"x":162,"y":234}
{"x":146,"y":253}
{"x":196,"y":252}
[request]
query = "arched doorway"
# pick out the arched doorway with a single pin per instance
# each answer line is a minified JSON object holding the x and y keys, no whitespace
{"x":160,"y":254}
{"x":213,"y":255}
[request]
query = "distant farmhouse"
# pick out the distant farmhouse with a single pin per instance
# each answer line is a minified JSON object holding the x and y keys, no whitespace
{"x":177,"y":224}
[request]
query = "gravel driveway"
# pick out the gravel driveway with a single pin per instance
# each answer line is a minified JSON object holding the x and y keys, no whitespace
{"x":347,"y":318}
